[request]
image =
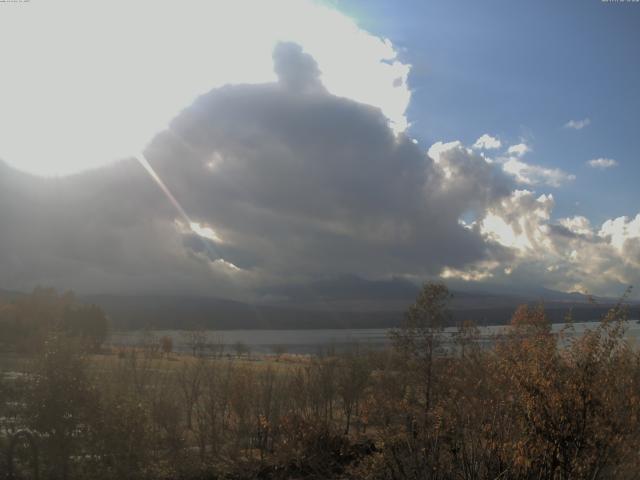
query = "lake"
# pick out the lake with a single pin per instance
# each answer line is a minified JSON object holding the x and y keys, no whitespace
{"x":309,"y":341}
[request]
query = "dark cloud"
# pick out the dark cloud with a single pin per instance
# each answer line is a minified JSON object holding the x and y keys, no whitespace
{"x":106,"y":229}
{"x":297,"y":71}
{"x":297,"y":183}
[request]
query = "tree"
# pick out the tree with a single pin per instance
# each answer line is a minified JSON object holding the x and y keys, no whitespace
{"x":60,"y":400}
{"x":419,"y":337}
{"x":197,"y":341}
{"x":190,"y":380}
{"x":576,"y":408}
{"x":353,"y":378}
{"x":278,"y":350}
{"x":166,"y":344}
{"x":87,"y":322}
{"x":27,"y":321}
{"x":241,"y":348}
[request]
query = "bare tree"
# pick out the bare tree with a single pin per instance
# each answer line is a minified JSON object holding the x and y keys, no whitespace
{"x":197,"y":341}
{"x":419,"y":337}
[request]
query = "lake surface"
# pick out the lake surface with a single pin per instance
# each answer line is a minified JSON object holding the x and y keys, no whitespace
{"x":310,"y":341}
{"x":265,"y":341}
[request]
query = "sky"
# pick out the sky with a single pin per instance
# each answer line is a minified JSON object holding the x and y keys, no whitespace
{"x":522,"y":71}
{"x":241,"y":149}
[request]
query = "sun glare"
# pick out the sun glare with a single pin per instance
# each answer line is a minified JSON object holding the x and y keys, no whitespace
{"x":81,"y":93}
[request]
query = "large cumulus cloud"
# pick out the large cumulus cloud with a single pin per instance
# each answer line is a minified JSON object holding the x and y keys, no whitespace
{"x":284,"y":183}
{"x":567,"y":254}
{"x":292,"y":182}
{"x":299,"y":182}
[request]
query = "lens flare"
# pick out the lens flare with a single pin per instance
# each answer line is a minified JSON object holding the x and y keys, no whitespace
{"x":204,"y":233}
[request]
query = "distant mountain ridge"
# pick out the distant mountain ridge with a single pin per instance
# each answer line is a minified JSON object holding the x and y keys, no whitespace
{"x":320,"y":312}
{"x":349,"y":303}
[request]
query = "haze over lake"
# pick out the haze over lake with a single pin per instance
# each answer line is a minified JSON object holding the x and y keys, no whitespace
{"x":313,"y":342}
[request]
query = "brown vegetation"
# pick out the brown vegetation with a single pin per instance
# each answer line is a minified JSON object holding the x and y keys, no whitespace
{"x":533,"y":404}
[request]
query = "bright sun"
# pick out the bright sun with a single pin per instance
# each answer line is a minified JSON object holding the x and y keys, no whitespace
{"x":86,"y":83}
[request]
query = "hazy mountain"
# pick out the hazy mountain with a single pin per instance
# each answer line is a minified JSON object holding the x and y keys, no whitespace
{"x":344,"y":302}
{"x":341,"y":302}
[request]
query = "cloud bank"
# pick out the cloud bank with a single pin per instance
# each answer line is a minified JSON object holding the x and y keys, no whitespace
{"x":285,"y":182}
{"x":281,"y":181}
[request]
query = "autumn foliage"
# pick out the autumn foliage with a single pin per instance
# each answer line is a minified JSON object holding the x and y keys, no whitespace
{"x":529,"y":403}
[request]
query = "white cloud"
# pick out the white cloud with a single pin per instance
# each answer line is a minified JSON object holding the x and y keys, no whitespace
{"x":205,"y":232}
{"x":517,"y":221}
{"x":577,"y":124}
{"x":487,"y":142}
{"x":620,"y":230}
{"x":577,"y":224}
{"x":438,"y":149}
{"x":602,"y":163}
{"x":570,"y":255}
{"x":518,"y":150}
{"x":471,"y":274}
{"x":529,"y":174}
